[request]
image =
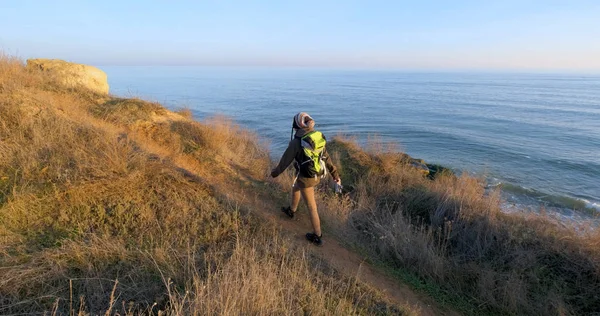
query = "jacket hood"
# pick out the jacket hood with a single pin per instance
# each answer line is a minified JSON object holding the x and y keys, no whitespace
{"x":303,"y":131}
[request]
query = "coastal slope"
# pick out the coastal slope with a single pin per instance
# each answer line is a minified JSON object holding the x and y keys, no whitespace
{"x":114,"y":205}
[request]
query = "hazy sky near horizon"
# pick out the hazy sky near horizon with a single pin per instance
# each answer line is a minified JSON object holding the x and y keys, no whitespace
{"x":429,"y":34}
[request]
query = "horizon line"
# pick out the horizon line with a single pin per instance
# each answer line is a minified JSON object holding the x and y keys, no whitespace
{"x":352,"y":67}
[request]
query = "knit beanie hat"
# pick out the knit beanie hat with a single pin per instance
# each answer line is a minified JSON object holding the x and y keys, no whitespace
{"x":303,"y":121}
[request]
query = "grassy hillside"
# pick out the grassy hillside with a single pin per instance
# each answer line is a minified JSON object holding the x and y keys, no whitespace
{"x":111,"y":205}
{"x":105,"y":208}
{"x":451,"y":233}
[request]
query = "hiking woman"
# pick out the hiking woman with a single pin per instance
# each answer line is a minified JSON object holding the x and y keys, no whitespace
{"x":311,"y":161}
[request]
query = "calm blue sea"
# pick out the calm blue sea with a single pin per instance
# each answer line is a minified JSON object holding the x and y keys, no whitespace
{"x":536,"y":135}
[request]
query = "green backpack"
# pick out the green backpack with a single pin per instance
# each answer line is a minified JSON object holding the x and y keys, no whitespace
{"x":313,"y":145}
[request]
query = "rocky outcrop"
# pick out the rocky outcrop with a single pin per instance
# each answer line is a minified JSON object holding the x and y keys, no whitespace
{"x":72,"y":74}
{"x":436,"y":170}
{"x":429,"y":170}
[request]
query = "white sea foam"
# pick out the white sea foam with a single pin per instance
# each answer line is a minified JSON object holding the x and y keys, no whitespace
{"x":592,"y":205}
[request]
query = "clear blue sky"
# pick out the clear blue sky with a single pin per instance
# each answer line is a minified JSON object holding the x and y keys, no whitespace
{"x":506,"y":34}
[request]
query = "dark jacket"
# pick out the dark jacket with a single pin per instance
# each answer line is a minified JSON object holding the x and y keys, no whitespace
{"x":295,"y":152}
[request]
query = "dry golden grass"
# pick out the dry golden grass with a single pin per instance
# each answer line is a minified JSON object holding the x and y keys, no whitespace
{"x":240,"y":284}
{"x":103,"y":209}
{"x":185,"y":112}
{"x":452,"y":232}
{"x":127,"y":111}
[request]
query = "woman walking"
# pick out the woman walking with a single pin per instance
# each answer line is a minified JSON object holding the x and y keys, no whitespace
{"x":311,"y":161}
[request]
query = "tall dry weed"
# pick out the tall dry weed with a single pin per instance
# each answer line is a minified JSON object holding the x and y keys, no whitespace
{"x":452,"y":231}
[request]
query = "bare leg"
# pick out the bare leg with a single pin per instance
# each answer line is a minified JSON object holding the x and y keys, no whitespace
{"x":295,"y":198}
{"x":309,"y":197}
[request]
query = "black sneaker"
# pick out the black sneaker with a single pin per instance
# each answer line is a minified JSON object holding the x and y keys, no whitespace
{"x":288,"y":211}
{"x":312,"y":237}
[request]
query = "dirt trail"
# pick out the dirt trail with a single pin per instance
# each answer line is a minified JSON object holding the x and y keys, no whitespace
{"x":333,"y":252}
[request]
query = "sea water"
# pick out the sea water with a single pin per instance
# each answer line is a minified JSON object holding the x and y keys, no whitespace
{"x":535,"y":135}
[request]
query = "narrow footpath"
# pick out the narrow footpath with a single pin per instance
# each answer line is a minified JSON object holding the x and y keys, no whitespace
{"x":332,"y":251}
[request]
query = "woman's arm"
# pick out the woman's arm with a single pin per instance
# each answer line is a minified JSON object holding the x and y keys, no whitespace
{"x":330,"y":167}
{"x":286,"y":159}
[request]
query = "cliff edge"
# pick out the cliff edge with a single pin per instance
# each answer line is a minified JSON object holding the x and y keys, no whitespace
{"x":72,"y":74}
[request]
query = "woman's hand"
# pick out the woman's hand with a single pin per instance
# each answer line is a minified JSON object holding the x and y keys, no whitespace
{"x":338,"y":185}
